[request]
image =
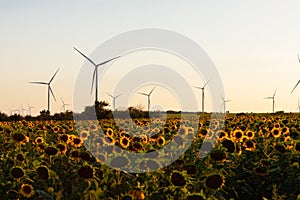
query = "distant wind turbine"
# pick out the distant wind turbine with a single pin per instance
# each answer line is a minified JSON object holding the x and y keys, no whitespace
{"x":299,"y":80}
{"x":224,"y":103}
{"x":202,"y":88}
{"x":148,"y":95}
{"x":114,"y":99}
{"x":49,"y":88}
{"x":29,"y":109}
{"x":64,"y":105}
{"x":273,"y":100}
{"x":95,"y":74}
{"x":22,"y":110}
{"x":298,"y":108}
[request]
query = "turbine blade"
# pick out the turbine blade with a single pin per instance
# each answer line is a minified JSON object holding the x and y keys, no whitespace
{"x":109,"y":95}
{"x":197,"y":87}
{"x":62,"y":101}
{"x":53,"y":76}
{"x":43,"y":83}
{"x":274,"y":93}
{"x":93,"y":80}
{"x":52,"y":93}
{"x":206,"y":83}
{"x":118,"y":95}
{"x":152,"y":90}
{"x":295,"y":86}
{"x":143,"y":93}
{"x":298,"y":57}
{"x":268,"y":97}
{"x":107,"y":61}
{"x":86,"y":57}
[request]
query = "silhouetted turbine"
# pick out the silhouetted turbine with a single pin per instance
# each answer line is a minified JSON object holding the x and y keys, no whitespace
{"x":114,"y":99}
{"x":148,"y":95}
{"x":273,"y":100}
{"x":49,"y":88}
{"x":202,"y":88}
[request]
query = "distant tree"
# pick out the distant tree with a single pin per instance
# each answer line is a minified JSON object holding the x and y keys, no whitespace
{"x":3,"y":117}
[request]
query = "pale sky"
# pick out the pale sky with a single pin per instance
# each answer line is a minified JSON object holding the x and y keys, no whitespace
{"x":253,"y":44}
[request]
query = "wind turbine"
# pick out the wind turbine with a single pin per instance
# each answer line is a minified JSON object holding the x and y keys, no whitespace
{"x":49,"y":88}
{"x":148,"y":95}
{"x":114,"y":99}
{"x":64,"y":105}
{"x":298,"y":107}
{"x":22,"y":110}
{"x":202,"y":88}
{"x":29,"y":109}
{"x":273,"y":100}
{"x":95,"y":74}
{"x":224,"y":104}
{"x":299,"y":80}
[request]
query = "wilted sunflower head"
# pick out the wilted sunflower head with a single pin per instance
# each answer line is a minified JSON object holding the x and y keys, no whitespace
{"x":218,"y":155}
{"x":27,"y":190}
{"x":17,"y":172}
{"x":86,"y":172}
{"x":20,"y":137}
{"x":51,"y":151}
{"x":177,"y":179}
{"x":229,"y":145}
{"x":43,"y":172}
{"x":214,"y":181}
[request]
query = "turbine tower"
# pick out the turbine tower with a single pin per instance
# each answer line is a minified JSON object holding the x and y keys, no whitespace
{"x":22,"y":110}
{"x":202,"y":88}
{"x":49,"y":88}
{"x":273,"y":100}
{"x":114,"y":99}
{"x":64,"y":105}
{"x":95,"y":73}
{"x":299,"y":80}
{"x":148,"y":95}
{"x":224,"y":104}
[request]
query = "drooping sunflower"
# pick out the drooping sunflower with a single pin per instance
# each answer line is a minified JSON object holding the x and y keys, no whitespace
{"x":51,"y":151}
{"x":86,"y":172}
{"x":218,"y":155}
{"x":27,"y":190}
{"x":17,"y":172}
{"x":64,"y":138}
{"x":43,"y":172}
{"x":222,"y":135}
{"x":229,"y":145}
{"x":62,"y":148}
{"x":214,"y":181}
{"x":178,"y":179}
{"x":119,"y":162}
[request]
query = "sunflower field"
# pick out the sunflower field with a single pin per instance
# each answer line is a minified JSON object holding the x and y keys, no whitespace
{"x":254,"y":156}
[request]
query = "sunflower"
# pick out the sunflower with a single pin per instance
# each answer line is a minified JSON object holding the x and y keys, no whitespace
{"x":84,"y":135}
{"x":222,"y":135}
{"x":214,"y":181}
{"x":39,"y":140}
{"x":17,"y":172}
{"x":109,"y":140}
{"x":285,"y":130}
{"x":27,"y":190}
{"x":62,"y":148}
{"x":250,"y":135}
{"x":109,"y":132}
{"x":297,"y":147}
{"x":64,"y":138}
{"x":85,"y":156}
{"x":93,"y":127}
{"x":20,"y":157}
{"x":218,"y":155}
{"x":191,"y":170}
{"x":202,"y":133}
{"x":177,"y":179}
{"x":55,"y":129}
{"x":51,"y":151}
{"x":237,"y":136}
{"x":124,"y":141}
{"x":86,"y":172}
{"x":19,"y":137}
{"x":276,"y":132}
{"x":160,"y":141}
{"x":43,"y":172}
{"x":77,"y":142}
{"x":276,"y":125}
{"x":249,"y":145}
{"x":229,"y":145}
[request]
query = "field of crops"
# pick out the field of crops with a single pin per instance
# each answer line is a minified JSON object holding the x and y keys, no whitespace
{"x":256,"y":157}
